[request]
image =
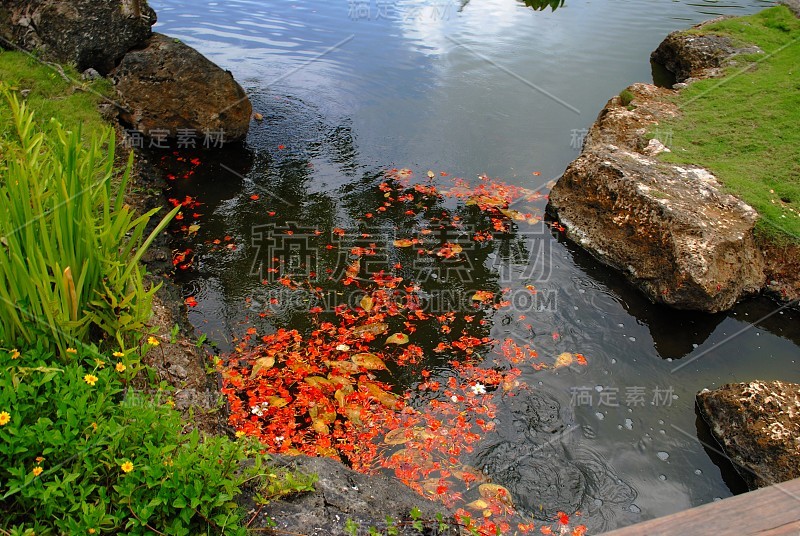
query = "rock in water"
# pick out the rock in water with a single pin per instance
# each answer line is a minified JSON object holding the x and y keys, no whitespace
{"x":88,"y":33}
{"x":758,"y":425}
{"x":670,"y":229}
{"x":168,"y":86}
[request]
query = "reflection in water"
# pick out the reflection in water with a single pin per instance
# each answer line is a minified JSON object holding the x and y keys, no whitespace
{"x":535,"y":455}
{"x":539,"y":5}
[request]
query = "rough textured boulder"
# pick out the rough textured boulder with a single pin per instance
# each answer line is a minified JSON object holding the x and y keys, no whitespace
{"x":168,"y":86}
{"x":691,"y":55}
{"x":758,"y":425}
{"x":669,"y":228}
{"x":342,"y":494}
{"x":87,"y":33}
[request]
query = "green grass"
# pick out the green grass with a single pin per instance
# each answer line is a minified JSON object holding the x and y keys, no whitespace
{"x":745,"y":127}
{"x":73,"y":103}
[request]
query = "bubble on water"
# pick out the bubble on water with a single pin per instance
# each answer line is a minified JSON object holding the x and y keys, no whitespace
{"x":694,"y":345}
{"x":613,"y":361}
{"x":698,"y":472}
{"x":629,"y":424}
{"x":621,"y":325}
{"x":632,"y":339}
{"x":669,"y":360}
{"x":663,"y":456}
{"x":660,"y":421}
{"x":715,"y":499}
{"x":598,"y":388}
{"x":662,"y":477}
{"x":662,"y":431}
{"x":635,"y":509}
{"x":598,"y":502}
{"x":600,"y":416}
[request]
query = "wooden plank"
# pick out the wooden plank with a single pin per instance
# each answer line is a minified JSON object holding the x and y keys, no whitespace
{"x":772,"y":511}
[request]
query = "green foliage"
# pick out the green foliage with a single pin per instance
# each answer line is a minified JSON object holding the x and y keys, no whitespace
{"x":743,"y":128}
{"x":69,"y":257}
{"x":281,"y":483}
{"x":626,"y":97}
{"x":82,"y":436}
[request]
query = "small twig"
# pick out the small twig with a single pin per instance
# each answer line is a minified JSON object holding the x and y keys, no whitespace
{"x":60,"y":71}
{"x":142,"y":522}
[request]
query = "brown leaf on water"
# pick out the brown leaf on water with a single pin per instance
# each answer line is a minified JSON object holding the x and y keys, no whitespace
{"x":563,"y":360}
{"x":367,"y":303}
{"x":374,"y":328}
{"x":387,"y":399}
{"x":261,"y":364}
{"x":397,"y":338}
{"x":277,"y":401}
{"x":495,"y":491}
{"x":398,"y":436}
{"x":319,"y":382}
{"x":368,"y":361}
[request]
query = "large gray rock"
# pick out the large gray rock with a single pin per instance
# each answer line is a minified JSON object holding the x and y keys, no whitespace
{"x":692,"y":55}
{"x":167,"y":86}
{"x":670,"y":229}
{"x":87,"y":33}
{"x":341,"y":495}
{"x":758,"y":426}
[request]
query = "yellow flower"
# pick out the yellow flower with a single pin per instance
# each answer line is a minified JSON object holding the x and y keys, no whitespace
{"x":152,"y":341}
{"x":91,"y":379}
{"x":94,"y":426}
{"x":120,"y":367}
{"x":5,"y":418}
{"x":170,"y":403}
{"x":99,"y":363}
{"x":92,"y":531}
{"x":126,"y":467}
{"x":118,"y":354}
{"x":239,"y":433}
{"x":37,"y":470}
{"x":39,"y":459}
{"x":72,"y":351}
{"x":15,"y":354}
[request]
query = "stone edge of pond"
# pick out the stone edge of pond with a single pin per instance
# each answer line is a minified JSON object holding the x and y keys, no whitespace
{"x":757,"y":425}
{"x":670,"y":229}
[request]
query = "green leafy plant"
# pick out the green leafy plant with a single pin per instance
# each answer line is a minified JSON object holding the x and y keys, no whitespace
{"x":69,"y":245}
{"x":79,"y":452}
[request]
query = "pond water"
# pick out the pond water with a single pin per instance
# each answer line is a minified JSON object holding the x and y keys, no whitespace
{"x":351,"y":89}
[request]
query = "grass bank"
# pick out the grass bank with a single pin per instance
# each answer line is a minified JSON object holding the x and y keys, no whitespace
{"x":744,"y":127}
{"x":71,"y":101}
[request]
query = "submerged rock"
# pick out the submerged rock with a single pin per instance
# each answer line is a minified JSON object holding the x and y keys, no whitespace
{"x":88,"y":33}
{"x":669,"y":228}
{"x":758,"y":426}
{"x":342,"y":494}
{"x":169,"y":89}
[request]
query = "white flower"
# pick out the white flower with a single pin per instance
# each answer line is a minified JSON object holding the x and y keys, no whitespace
{"x":279,"y":438}
{"x":454,"y":398}
{"x":343,"y":348}
{"x":478,"y":389}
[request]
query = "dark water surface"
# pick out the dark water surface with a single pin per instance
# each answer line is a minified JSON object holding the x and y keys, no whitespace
{"x":349,"y":89}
